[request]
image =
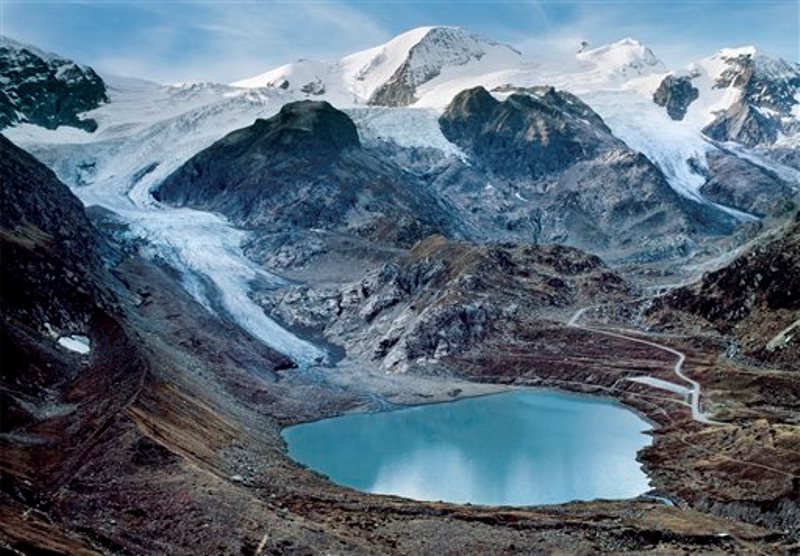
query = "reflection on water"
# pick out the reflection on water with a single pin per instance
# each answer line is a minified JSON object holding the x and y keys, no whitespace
{"x":517,"y":448}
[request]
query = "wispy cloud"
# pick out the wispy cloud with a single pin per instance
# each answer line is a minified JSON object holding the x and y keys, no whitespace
{"x":678,"y":32}
{"x":219,"y":41}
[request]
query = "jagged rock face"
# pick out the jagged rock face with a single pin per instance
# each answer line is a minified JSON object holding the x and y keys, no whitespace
{"x":305,"y":168}
{"x":46,"y":90}
{"x":444,"y":298}
{"x":441,"y":47}
{"x":764,"y":82}
{"x":764,"y":109}
{"x":737,"y":183}
{"x":676,"y":94}
{"x":755,"y":299}
{"x":555,"y":173}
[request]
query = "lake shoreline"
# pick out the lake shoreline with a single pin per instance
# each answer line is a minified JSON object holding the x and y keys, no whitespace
{"x":502,"y":450}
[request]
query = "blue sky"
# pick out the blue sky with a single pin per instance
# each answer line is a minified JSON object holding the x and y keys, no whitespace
{"x":223,"y":40}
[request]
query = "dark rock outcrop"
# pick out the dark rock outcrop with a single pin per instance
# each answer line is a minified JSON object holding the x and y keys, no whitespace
{"x":46,"y":90}
{"x":305,"y":168}
{"x":676,"y":93}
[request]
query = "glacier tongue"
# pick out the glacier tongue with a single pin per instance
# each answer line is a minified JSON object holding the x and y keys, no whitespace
{"x":203,"y":247}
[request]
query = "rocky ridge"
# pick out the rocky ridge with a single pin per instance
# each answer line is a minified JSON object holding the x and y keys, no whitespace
{"x":45,"y":89}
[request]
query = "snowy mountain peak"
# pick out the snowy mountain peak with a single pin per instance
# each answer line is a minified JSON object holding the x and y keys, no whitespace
{"x":389,"y":74}
{"x":730,"y":65}
{"x":746,"y":96}
{"x":626,"y":58}
{"x":440,"y":49}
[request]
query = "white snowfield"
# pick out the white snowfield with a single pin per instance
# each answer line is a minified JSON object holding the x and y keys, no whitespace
{"x":662,"y":384}
{"x":77,"y":343}
{"x":148,"y":130}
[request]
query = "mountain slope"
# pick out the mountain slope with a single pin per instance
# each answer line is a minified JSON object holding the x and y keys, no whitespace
{"x":755,"y":299}
{"x":54,"y":396}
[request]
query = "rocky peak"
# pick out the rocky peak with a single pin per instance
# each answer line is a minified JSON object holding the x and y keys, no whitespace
{"x":532,"y":133}
{"x":472,"y":103}
{"x":302,"y":169}
{"x":307,"y":124}
{"x":46,"y":89}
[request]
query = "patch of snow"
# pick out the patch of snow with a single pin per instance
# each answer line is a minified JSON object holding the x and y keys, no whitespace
{"x":661,"y":384}
{"x":77,"y":343}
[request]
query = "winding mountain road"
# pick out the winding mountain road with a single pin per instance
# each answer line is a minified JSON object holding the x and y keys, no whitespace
{"x":694,"y":395}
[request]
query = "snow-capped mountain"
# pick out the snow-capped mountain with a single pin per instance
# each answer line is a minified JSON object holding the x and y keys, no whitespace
{"x":390,"y":74}
{"x":395,"y":94}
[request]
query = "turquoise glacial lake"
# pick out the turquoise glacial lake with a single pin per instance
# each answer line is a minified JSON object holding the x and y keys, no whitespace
{"x":519,"y":448}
